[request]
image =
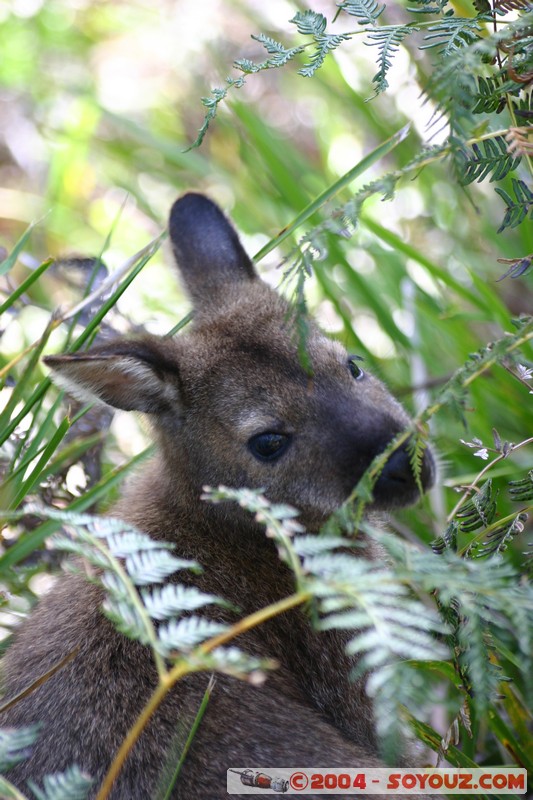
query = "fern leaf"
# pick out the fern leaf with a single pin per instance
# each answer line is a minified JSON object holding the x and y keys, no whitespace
{"x":126,"y":618}
{"x":211,"y":104}
{"x":310,"y":23}
{"x":498,"y":539}
{"x":489,"y":157}
{"x":366,"y":11}
{"x":416,"y":447}
{"x":448,"y":541}
{"x":428,"y":6}
{"x":184,"y":634}
{"x":73,"y":784}
{"x":233,"y":661}
{"x":517,"y":207}
{"x":122,"y":545}
{"x":310,"y":545}
{"x":521,"y":491}
{"x":15,"y":745}
{"x":479,"y":511}
{"x":279,"y":55}
{"x":491,"y":95}
{"x":154,"y":566}
{"x":453,"y":33}
{"x":324,"y":45}
{"x":174,"y":598}
{"x":387,"y":39}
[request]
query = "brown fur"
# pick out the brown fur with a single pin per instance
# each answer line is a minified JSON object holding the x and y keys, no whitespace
{"x":233,"y":375}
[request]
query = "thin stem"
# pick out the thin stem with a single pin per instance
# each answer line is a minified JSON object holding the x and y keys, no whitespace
{"x":118,"y":569}
{"x":40,"y":680}
{"x":495,"y":525}
{"x":182,"y":668}
{"x":485,"y":469}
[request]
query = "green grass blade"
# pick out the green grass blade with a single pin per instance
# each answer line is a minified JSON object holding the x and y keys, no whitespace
{"x":29,"y":542}
{"x":40,"y":468}
{"x":11,"y":260}
{"x":19,"y":389}
{"x":356,"y":171}
{"x":25,"y":285}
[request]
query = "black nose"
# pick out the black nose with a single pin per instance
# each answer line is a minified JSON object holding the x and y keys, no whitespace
{"x":396,"y":486}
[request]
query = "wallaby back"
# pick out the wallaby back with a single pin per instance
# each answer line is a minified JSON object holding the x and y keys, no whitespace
{"x":230,"y":403}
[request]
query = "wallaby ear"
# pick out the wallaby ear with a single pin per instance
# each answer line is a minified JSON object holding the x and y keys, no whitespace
{"x":207,"y":248}
{"x":132,"y":375}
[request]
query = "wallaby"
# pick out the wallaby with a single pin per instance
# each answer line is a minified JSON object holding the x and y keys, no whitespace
{"x":230,"y":403}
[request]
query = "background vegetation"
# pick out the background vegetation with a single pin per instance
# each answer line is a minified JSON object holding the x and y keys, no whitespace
{"x":398,"y":238}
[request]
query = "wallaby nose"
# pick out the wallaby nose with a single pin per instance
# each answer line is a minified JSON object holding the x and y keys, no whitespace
{"x":397,"y":485}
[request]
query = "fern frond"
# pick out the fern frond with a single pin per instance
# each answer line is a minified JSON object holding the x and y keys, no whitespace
{"x":280,"y":55}
{"x":488,"y":157}
{"x":448,"y":541}
{"x":310,"y":545}
{"x":211,"y":104}
{"x":428,"y":6}
{"x":491,"y":94}
{"x":416,"y":447}
{"x":517,"y":207}
{"x":387,"y":39}
{"x":523,"y":106}
{"x":311,"y":23}
{"x":454,"y":33}
{"x":130,"y":541}
{"x":127,"y":618}
{"x":522,"y":490}
{"x":15,"y":745}
{"x":184,"y":634}
{"x":367,"y":12}
{"x":354,"y":595}
{"x":498,"y":539}
{"x":479,"y":511}
{"x":233,"y":661}
{"x":153,"y":566}
{"x":174,"y":598}
{"x":73,"y":784}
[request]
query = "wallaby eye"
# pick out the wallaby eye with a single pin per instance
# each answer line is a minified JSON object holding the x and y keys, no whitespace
{"x":268,"y":446}
{"x":354,"y":367}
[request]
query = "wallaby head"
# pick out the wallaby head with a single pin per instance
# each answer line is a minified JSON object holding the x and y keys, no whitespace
{"x":229,"y":398}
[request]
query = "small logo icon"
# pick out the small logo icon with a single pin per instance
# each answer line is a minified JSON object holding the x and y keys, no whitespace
{"x":250,"y":777}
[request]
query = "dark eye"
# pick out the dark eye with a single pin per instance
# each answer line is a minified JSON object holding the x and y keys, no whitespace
{"x":268,"y":446}
{"x":354,"y":367}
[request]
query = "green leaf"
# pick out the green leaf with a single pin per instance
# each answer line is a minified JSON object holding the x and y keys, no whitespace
{"x":184,"y":634}
{"x":15,"y":745}
{"x":489,"y":157}
{"x":153,"y":566}
{"x":387,"y":39}
{"x":517,"y":207}
{"x":173,"y":598}
{"x":11,"y":260}
{"x":73,"y":784}
{"x":366,"y":11}
{"x":355,"y":172}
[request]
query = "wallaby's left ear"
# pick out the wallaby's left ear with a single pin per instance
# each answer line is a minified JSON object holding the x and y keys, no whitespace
{"x":207,"y":248}
{"x":135,"y":375}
